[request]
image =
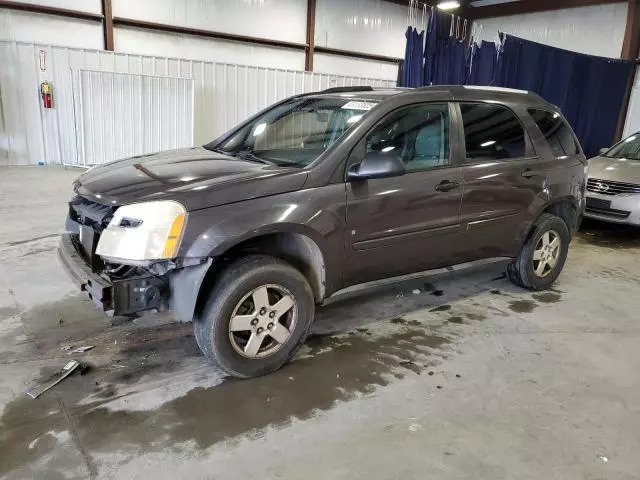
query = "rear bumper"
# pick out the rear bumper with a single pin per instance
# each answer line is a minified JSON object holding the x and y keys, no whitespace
{"x":115,"y":297}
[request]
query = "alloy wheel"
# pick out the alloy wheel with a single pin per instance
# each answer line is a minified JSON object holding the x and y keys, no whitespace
{"x":546,"y":253}
{"x":262,"y":321}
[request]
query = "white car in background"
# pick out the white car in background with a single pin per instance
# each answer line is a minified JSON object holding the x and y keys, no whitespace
{"x":613,"y":187}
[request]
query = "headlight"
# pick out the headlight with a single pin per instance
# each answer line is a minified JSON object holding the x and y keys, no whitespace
{"x":144,"y":231}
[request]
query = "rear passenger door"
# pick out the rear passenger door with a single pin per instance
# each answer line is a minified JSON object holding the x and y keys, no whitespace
{"x":502,"y":179}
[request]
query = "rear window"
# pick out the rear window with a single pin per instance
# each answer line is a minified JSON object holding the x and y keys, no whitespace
{"x":492,"y":132}
{"x":558,"y":134}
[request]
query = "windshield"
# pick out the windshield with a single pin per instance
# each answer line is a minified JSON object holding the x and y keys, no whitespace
{"x":628,"y":148}
{"x":297,"y":131}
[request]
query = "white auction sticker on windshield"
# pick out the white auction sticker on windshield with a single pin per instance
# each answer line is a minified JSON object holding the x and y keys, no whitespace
{"x":356,"y":105}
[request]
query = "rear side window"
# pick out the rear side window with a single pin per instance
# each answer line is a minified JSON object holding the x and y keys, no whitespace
{"x":556,"y":131}
{"x":492,"y":132}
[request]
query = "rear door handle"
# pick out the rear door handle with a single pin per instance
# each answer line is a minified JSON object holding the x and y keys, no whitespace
{"x":528,"y":173}
{"x":447,"y":185}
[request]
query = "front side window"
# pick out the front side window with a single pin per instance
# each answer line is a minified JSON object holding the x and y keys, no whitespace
{"x":418,"y":134}
{"x":628,"y":148}
{"x":492,"y":132}
{"x":296,"y":132}
{"x":556,"y":131}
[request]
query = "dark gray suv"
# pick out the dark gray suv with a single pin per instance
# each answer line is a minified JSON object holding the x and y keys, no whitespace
{"x":322,"y":191}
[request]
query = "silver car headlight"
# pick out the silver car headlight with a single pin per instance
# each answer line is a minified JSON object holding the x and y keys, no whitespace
{"x":144,"y":231}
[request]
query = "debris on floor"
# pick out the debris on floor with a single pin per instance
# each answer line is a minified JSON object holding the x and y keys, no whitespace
{"x":83,"y":349}
{"x":415,"y":427}
{"x":66,"y":348}
{"x":60,"y":375}
{"x":416,"y":292}
{"x":603,"y":458}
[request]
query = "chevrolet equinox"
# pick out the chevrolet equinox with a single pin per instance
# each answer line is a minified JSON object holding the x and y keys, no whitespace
{"x":319,"y":192}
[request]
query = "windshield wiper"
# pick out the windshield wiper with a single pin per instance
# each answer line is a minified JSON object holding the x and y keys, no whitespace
{"x":251,"y":157}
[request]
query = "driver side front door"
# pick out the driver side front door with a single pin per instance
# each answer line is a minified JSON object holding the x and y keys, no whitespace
{"x":408,"y":223}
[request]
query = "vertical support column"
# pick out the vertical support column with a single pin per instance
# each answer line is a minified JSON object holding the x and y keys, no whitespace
{"x":311,"y":33}
{"x":630,"y":51}
{"x":107,"y":25}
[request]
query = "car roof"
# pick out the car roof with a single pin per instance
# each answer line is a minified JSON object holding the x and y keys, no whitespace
{"x":456,"y":92}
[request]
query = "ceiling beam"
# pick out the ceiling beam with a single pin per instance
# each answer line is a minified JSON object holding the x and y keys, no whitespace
{"x":630,"y":51}
{"x":61,"y":12}
{"x":162,"y":27}
{"x":107,"y":25}
{"x":360,"y":55}
{"x":631,"y":42}
{"x":464,"y":11}
{"x":311,"y":34}
{"x":530,"y":6}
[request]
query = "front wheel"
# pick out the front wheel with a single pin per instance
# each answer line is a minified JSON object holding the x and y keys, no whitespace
{"x":543,"y":255}
{"x":256,"y":317}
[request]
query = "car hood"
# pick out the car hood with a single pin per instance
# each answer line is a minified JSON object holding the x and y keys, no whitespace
{"x":615,"y":169}
{"x":196,"y":177}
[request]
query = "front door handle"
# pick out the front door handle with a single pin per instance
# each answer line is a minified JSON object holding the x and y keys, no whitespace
{"x":446,"y":185}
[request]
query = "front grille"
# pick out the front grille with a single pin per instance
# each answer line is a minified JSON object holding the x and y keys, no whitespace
{"x":92,"y":218}
{"x":608,"y":187}
{"x":90,"y":214}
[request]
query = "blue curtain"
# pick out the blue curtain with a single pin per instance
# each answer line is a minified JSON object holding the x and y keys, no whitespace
{"x":482,"y":64}
{"x":589,"y":90}
{"x":446,"y":59}
{"x":412,"y":71}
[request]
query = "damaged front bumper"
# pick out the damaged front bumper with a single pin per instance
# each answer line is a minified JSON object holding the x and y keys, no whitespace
{"x":177,"y":290}
{"x":114,"y":296}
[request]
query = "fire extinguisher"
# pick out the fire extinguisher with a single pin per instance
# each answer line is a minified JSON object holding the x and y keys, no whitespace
{"x":45,"y":93}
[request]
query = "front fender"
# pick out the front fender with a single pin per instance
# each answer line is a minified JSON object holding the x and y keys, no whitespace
{"x":318,"y":213}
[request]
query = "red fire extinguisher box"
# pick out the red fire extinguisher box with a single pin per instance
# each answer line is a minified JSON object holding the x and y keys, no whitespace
{"x":46,"y":94}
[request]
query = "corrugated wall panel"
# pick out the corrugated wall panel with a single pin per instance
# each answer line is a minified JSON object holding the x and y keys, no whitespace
{"x":224,"y":95}
{"x":107,"y":102}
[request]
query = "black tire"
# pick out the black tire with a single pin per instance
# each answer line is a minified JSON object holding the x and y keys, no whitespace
{"x":521,"y":271}
{"x":211,"y":327}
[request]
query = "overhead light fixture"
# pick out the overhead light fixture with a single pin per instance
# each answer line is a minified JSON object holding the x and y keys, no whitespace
{"x":449,"y":5}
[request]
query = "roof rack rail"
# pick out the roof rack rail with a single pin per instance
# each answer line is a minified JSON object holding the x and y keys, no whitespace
{"x":358,"y":88}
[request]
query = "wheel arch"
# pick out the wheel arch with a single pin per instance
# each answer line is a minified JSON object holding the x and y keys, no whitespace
{"x":295,"y":246}
{"x":563,"y":207}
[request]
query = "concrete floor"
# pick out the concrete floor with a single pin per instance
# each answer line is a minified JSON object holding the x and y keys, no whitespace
{"x":448,"y":378}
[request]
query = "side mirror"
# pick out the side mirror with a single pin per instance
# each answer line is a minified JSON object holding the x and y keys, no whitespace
{"x":603,"y":151}
{"x":377,"y":165}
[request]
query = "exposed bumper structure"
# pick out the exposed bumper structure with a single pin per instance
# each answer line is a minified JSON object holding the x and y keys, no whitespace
{"x":99,"y":289}
{"x":113,"y":296}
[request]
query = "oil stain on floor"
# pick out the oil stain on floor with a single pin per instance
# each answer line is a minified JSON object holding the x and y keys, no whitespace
{"x":522,"y":306}
{"x":329,"y":369}
{"x":131,"y":359}
{"x":547,"y":297}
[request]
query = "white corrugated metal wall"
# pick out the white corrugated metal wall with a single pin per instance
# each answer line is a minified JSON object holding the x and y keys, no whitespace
{"x":225,"y":94}
{"x":121,"y":115}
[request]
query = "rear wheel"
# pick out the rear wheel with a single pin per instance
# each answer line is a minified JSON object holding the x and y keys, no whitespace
{"x":256,"y":317}
{"x":543,"y":255}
